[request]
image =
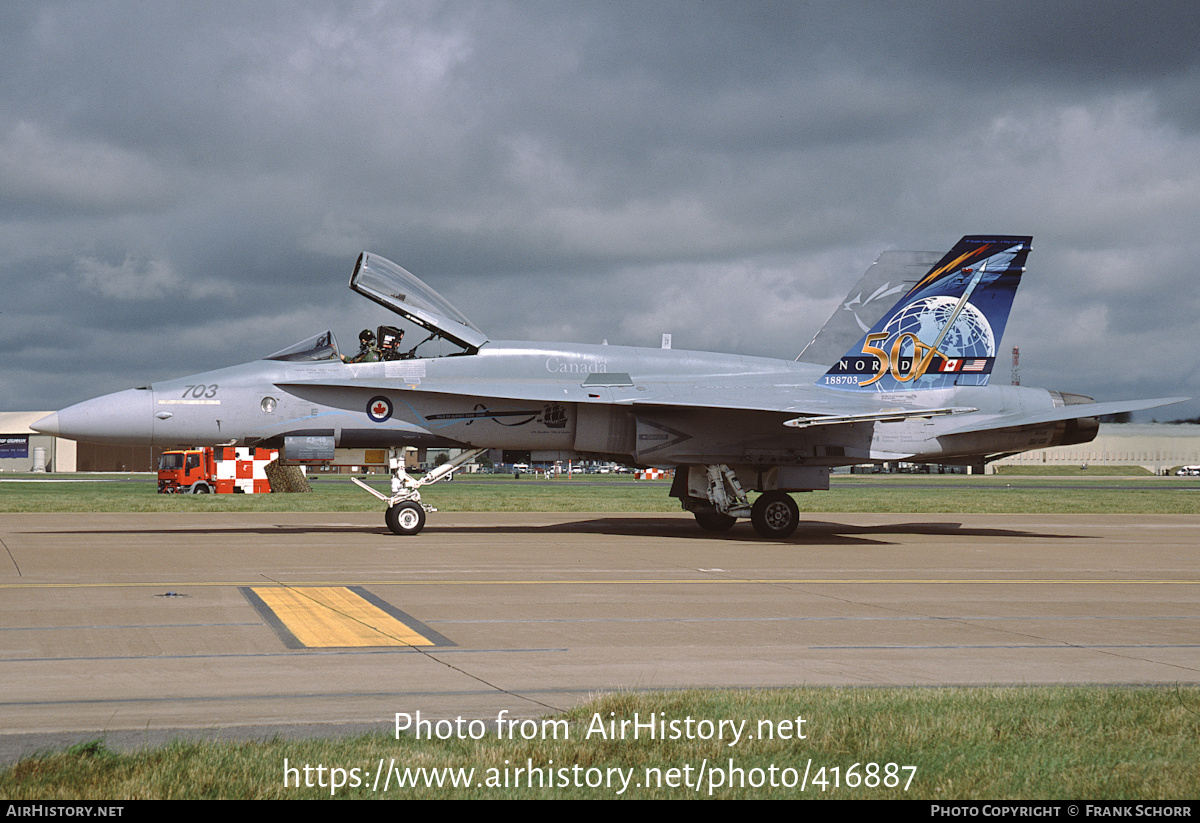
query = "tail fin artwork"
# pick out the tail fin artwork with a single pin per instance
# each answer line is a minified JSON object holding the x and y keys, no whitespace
{"x":946,"y":329}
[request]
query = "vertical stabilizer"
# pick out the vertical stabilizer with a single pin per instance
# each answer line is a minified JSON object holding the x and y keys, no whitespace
{"x":945,"y":331}
{"x":894,"y":273}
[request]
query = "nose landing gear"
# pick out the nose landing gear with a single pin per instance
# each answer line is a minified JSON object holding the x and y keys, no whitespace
{"x":405,"y":512}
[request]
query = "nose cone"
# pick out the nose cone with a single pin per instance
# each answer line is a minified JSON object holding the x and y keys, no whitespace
{"x":47,"y":425}
{"x":124,"y":417}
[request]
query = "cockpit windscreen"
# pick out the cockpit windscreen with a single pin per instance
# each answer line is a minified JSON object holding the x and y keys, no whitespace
{"x":322,"y":346}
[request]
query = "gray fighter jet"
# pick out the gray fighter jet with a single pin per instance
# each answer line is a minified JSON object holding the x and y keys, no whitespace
{"x":899,"y":373}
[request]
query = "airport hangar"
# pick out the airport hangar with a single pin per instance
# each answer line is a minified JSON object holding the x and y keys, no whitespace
{"x":1160,"y":448}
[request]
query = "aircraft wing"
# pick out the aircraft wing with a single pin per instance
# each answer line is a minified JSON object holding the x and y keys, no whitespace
{"x":731,"y":393}
{"x":812,"y":406}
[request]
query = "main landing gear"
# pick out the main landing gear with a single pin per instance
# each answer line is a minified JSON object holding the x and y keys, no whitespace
{"x":717,"y":498}
{"x":774,"y":514}
{"x":406,"y":513}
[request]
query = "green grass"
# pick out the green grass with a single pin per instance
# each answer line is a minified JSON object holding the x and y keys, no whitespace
{"x":977,"y":743}
{"x":957,"y":494}
{"x":336,"y":493}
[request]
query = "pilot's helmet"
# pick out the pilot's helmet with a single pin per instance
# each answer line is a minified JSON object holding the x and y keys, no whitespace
{"x":366,"y":337}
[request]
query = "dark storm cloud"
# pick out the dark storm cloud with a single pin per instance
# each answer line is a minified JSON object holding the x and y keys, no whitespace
{"x":185,"y":186}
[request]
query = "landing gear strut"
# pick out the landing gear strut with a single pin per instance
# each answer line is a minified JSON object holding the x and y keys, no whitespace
{"x":406,"y":513}
{"x":724,"y":500}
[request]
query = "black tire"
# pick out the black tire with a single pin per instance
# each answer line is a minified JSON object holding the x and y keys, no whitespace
{"x":405,"y":518}
{"x":200,"y":487}
{"x":775,"y":515}
{"x":715,"y":521}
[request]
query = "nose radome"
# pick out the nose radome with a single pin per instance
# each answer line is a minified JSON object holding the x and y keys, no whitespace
{"x":123,"y":417}
{"x":47,"y":424}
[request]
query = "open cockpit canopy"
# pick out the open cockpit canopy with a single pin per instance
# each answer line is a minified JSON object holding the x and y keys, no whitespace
{"x":401,"y":291}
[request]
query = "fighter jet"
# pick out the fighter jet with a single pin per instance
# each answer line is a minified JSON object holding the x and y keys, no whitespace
{"x":886,"y":379}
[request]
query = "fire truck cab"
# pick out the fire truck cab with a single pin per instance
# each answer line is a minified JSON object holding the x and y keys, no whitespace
{"x":186,"y":471}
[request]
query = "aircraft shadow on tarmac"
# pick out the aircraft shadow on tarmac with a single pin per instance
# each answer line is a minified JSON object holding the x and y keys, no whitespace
{"x":810,"y":533}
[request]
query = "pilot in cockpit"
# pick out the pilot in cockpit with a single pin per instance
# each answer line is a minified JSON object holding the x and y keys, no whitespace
{"x":367,"y":351}
{"x":390,"y":338}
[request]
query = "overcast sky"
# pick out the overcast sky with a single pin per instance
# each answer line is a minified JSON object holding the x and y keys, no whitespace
{"x":185,"y":186}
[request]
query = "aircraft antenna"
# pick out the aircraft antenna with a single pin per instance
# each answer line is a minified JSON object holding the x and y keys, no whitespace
{"x":1016,"y":371}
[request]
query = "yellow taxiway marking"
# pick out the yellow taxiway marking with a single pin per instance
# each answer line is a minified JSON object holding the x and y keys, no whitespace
{"x":334,"y":616}
{"x":618,"y":581}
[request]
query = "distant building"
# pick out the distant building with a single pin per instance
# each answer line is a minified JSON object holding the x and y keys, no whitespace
{"x":24,"y":450}
{"x":1156,"y":447}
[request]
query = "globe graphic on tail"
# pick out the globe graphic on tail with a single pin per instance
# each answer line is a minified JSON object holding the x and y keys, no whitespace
{"x":970,"y":336}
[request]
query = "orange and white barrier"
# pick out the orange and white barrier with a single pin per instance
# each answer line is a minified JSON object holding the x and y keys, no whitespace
{"x":243,"y":469}
{"x":653,"y":474}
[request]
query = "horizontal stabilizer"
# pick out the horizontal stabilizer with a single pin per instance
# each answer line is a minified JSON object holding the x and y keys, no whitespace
{"x":1073,"y":412}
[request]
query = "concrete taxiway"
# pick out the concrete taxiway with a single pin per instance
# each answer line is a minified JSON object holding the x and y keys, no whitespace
{"x":208,"y":621}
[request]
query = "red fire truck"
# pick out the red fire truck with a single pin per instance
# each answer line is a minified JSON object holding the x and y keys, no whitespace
{"x":203,"y":470}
